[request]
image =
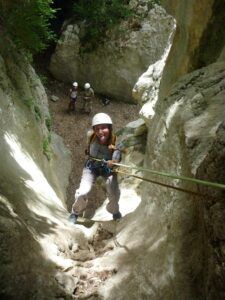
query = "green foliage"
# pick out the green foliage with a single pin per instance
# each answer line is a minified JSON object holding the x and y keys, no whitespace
{"x":99,"y":16}
{"x":27,"y":22}
{"x":28,"y":102}
{"x":46,"y":148}
{"x":153,"y":2}
{"x":48,"y":123}
{"x":44,"y":79}
{"x":37,"y":112}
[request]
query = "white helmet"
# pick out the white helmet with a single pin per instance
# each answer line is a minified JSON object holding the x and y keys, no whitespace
{"x":101,"y":118}
{"x":87,"y":85}
{"x":75,"y":84}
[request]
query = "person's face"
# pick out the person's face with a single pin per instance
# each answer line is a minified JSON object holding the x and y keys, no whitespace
{"x":103,"y":132}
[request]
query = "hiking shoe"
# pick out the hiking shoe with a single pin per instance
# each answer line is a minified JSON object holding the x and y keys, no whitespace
{"x":73,"y":218}
{"x":117,"y":216}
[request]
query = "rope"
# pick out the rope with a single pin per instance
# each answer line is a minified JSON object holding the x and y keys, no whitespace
{"x":163,"y":184}
{"x":184,"y":178}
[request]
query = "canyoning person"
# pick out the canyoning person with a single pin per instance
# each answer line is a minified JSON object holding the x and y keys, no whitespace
{"x":73,"y":97}
{"x":102,"y":153}
{"x":87,"y":98}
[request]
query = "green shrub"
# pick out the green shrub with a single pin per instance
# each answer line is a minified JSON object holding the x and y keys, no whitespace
{"x":99,"y":16}
{"x":27,"y":23}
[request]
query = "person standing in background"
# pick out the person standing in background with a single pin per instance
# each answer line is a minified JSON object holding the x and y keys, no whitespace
{"x":73,"y":97}
{"x":87,"y":99}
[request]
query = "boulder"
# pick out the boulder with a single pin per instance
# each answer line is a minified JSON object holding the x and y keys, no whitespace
{"x":114,"y":67}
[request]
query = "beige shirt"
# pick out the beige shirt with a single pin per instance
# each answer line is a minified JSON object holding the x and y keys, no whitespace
{"x":89,"y":92}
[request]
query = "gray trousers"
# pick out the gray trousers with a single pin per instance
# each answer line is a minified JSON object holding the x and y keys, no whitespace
{"x":87,"y":104}
{"x":87,"y":180}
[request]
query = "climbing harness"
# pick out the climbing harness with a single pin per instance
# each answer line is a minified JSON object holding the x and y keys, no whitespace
{"x":98,"y":167}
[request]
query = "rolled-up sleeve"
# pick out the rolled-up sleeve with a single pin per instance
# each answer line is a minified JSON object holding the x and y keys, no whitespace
{"x":116,"y":155}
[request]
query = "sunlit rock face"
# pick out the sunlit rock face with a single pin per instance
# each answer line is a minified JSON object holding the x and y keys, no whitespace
{"x":114,"y":67}
{"x":25,"y":116}
{"x":32,"y":192}
{"x":172,"y":245}
{"x":146,"y":89}
{"x":188,"y":134}
{"x":166,"y":245}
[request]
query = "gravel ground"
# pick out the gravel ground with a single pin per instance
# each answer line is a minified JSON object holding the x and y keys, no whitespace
{"x":73,"y":127}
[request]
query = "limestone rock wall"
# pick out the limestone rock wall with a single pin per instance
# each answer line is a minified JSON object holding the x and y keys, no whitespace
{"x":114,"y":67}
{"x":32,"y":188}
{"x":182,"y":252}
{"x":191,"y":127}
{"x":193,"y":19}
{"x":171,"y":247}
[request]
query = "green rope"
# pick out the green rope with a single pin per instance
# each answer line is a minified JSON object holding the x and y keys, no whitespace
{"x":164,"y":184}
{"x":184,"y":178}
